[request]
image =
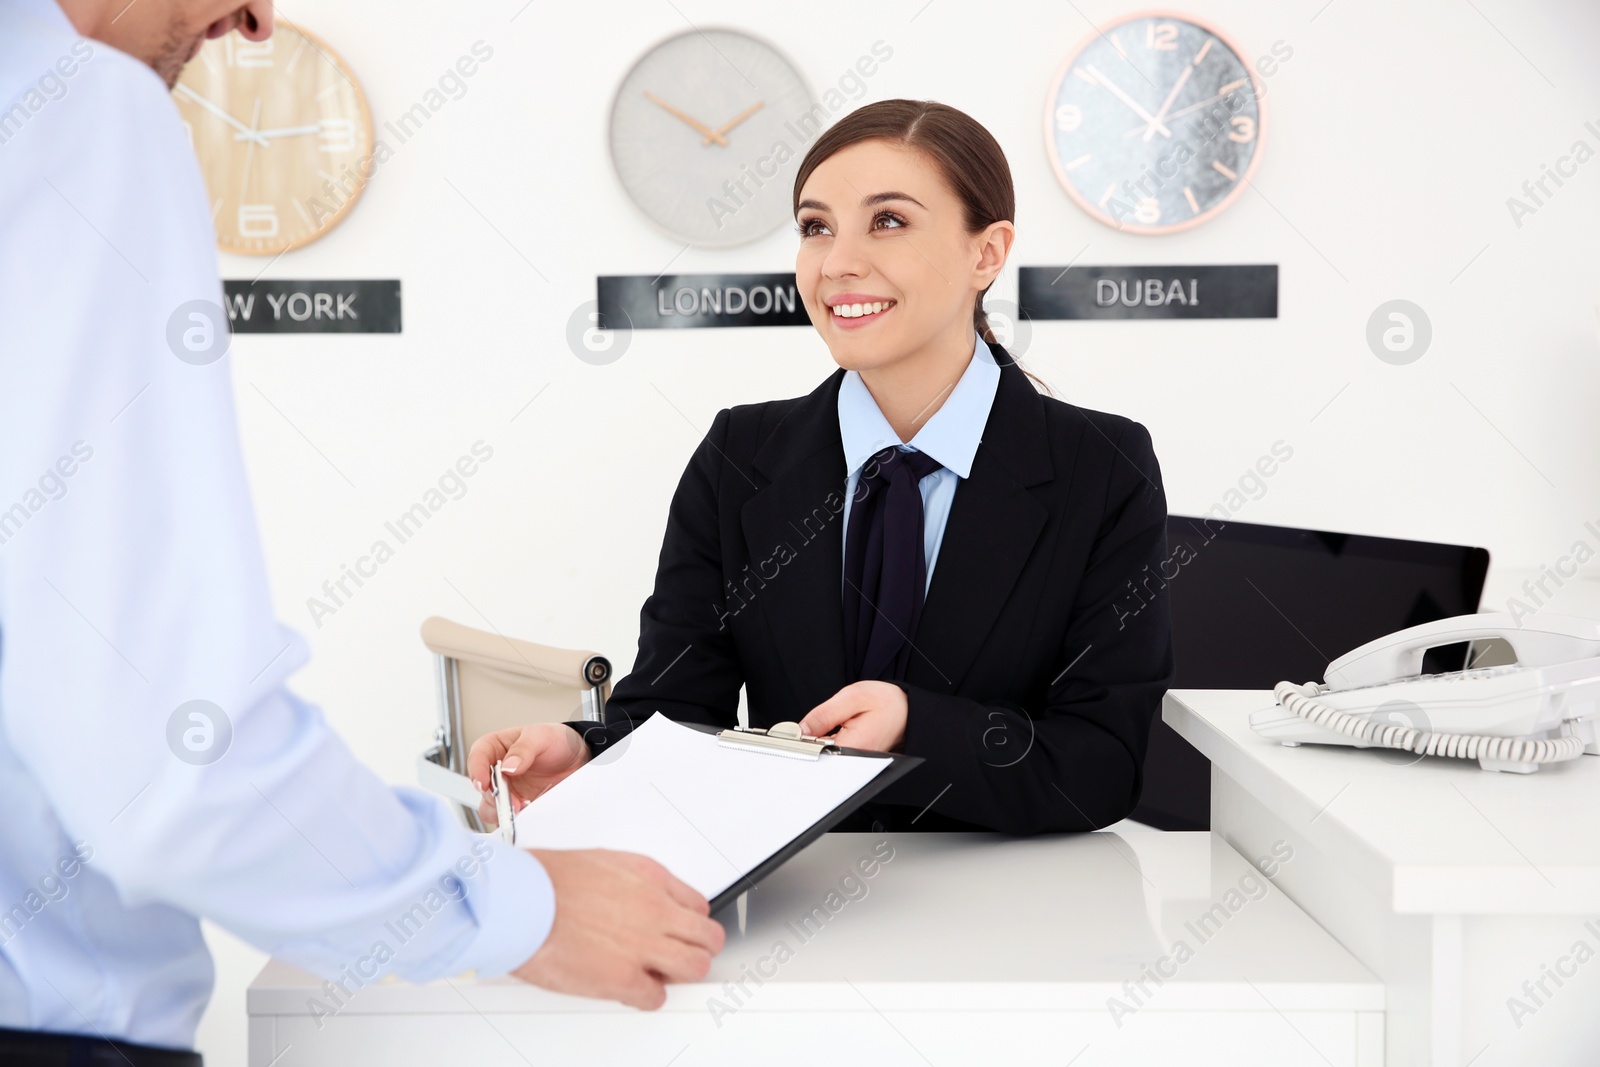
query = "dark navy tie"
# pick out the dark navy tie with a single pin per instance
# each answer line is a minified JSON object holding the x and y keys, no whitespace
{"x":885,"y":568}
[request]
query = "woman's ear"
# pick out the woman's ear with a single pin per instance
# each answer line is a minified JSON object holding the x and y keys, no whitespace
{"x":993,"y":247}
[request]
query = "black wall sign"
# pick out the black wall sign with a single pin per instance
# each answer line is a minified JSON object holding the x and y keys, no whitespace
{"x":1234,"y":291}
{"x":678,"y":301}
{"x":339,"y":306}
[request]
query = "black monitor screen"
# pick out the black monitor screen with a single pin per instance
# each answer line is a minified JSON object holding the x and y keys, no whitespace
{"x":1255,"y":605}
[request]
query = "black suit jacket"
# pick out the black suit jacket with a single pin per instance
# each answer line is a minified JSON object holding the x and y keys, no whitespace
{"x":1043,"y":648}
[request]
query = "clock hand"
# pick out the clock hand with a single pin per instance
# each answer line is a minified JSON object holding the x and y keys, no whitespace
{"x":740,"y":117}
{"x":710,"y":134}
{"x":249,"y":150}
{"x":1130,"y":101}
{"x":281,"y":131}
{"x":1165,"y":104}
{"x":1182,"y":111}
{"x":221,"y":114}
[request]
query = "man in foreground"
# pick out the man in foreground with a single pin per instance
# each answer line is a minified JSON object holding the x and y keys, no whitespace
{"x":154,"y":767}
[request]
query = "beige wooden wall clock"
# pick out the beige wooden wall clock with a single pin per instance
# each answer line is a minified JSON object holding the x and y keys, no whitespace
{"x":707,"y":131}
{"x":1155,"y":122}
{"x":284,"y":137}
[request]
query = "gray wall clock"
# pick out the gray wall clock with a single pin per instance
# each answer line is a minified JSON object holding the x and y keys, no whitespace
{"x":707,"y":131}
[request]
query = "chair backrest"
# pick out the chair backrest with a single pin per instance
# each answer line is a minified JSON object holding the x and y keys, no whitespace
{"x":491,"y":682}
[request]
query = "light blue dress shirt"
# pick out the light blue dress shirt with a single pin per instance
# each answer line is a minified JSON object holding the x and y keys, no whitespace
{"x":951,"y":436}
{"x":132,"y":583}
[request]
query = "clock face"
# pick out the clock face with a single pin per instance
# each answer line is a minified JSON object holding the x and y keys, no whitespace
{"x":283,"y":135}
{"x":1154,"y":123}
{"x":707,"y":131}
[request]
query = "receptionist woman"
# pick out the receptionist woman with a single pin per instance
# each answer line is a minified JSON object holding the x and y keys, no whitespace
{"x":925,"y":553}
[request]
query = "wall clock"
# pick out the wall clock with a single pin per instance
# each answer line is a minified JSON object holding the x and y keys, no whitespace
{"x":707,"y":131}
{"x":283,"y":133}
{"x":1154,"y":123}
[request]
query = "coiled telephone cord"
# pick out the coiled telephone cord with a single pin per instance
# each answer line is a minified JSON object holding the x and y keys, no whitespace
{"x":1301,"y":700}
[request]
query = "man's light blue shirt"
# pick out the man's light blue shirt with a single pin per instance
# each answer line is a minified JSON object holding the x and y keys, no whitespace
{"x":951,"y":436}
{"x":155,"y":767}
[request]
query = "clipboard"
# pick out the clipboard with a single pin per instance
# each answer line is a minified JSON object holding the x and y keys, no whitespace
{"x":784,"y":740}
{"x":697,"y":826}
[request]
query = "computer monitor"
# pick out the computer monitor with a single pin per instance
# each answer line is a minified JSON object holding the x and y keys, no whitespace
{"x":1254,"y":605}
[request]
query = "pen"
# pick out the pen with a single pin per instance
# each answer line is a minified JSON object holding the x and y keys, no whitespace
{"x":502,"y":805}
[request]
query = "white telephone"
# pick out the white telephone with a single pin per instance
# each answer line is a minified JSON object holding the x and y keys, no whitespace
{"x":1545,"y":708}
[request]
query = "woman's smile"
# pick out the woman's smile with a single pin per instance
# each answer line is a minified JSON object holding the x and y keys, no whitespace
{"x":853,"y":311}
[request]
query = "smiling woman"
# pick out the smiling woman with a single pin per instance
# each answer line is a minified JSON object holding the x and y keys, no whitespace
{"x":947,"y":247}
{"x":964,"y":609}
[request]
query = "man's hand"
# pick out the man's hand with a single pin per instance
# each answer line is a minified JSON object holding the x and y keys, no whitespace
{"x":532,"y":759}
{"x":624,"y":927}
{"x":869,"y":715}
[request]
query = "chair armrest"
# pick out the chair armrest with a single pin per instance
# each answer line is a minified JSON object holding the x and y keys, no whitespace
{"x":436,"y":778}
{"x":558,"y":666}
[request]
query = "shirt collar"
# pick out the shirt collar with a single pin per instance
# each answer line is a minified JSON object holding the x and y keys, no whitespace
{"x":951,"y":436}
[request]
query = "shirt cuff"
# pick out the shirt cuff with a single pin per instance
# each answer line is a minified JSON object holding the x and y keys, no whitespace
{"x":514,"y":906}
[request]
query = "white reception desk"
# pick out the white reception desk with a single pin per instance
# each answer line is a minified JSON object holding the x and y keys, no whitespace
{"x":1092,"y":949}
{"x":1473,"y":895}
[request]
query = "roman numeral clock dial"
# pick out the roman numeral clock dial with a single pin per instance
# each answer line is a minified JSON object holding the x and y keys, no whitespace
{"x":1154,"y":123}
{"x":283,"y":134}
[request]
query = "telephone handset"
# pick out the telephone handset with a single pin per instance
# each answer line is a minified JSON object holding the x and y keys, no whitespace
{"x":1545,"y":708}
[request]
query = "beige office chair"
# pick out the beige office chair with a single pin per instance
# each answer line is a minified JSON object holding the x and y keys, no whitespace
{"x":489,"y":682}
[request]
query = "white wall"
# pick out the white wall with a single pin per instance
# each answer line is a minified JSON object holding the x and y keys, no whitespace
{"x":1398,"y":130}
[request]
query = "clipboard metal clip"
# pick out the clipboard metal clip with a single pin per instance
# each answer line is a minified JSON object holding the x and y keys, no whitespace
{"x":502,"y":805}
{"x":782,"y":739}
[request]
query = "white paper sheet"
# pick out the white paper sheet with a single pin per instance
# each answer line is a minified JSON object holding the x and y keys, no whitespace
{"x":708,"y":813}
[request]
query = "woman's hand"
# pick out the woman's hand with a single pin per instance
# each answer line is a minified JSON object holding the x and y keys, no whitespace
{"x":868,"y":714}
{"x":532,"y":759}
